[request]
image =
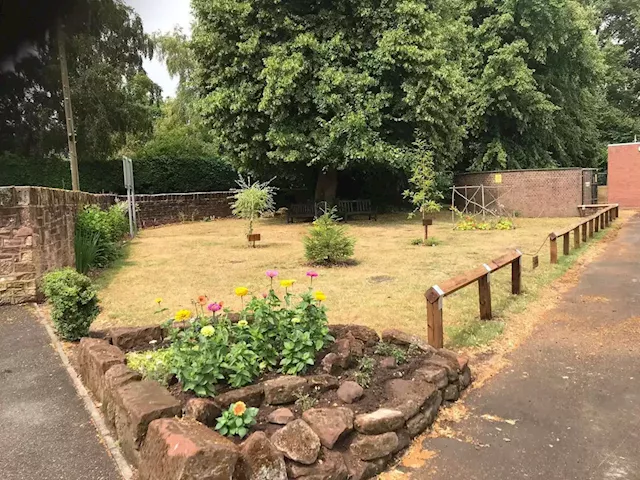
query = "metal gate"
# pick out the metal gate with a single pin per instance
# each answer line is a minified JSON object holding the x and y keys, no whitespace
{"x":589,"y":186}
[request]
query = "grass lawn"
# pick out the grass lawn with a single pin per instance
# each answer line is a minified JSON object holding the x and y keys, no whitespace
{"x":385,"y":289}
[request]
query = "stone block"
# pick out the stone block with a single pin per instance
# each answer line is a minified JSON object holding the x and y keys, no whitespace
{"x":298,"y":442}
{"x":330,"y":466}
{"x":203,"y":410}
{"x":181,"y":449}
{"x":135,"y":338}
{"x":260,"y":460}
{"x":95,"y":357}
{"x":398,"y":337}
{"x":365,"y":334}
{"x":380,"y":421}
{"x":370,"y":447}
{"x":116,"y":377}
{"x":350,"y":392}
{"x":137,"y":405}
{"x":329,"y":423}
{"x":251,"y":395}
{"x":283,"y":389}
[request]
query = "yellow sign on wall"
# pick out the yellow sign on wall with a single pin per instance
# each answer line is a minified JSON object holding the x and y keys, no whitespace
{"x":497,"y":178}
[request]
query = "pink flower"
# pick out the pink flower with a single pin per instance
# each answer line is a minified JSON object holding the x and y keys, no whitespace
{"x":264,"y":295}
{"x":312,"y":274}
{"x":272,"y":273}
{"x":214,"y":307}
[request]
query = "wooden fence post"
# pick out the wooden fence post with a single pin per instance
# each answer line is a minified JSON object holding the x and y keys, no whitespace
{"x":591,"y":228}
{"x":435,"y":331}
{"x":576,"y":237}
{"x":596,"y":224}
{"x":565,"y":244}
{"x":606,"y":219}
{"x":553,"y":247}
{"x":516,"y":276}
{"x":601,"y":217}
{"x":484,"y":294}
{"x":584,"y":233}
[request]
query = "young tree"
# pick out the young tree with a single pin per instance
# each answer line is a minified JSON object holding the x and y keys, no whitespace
{"x":251,"y":200}
{"x":331,"y":84}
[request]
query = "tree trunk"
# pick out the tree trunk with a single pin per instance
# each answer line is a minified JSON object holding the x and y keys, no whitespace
{"x":327,"y":185}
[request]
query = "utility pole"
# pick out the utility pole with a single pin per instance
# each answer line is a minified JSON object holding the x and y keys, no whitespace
{"x":68,"y":112}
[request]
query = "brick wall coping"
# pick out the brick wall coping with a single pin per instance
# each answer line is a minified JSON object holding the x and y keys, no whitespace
{"x":477,"y":172}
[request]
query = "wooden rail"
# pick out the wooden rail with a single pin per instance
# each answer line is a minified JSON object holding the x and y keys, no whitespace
{"x":482,"y":275}
{"x":581,"y":231}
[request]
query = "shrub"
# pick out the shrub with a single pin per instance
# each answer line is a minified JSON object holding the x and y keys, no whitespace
{"x":327,"y":242}
{"x":154,"y":365}
{"x":99,"y":233}
{"x":74,"y":302}
{"x":391,"y":350}
{"x":362,"y":376}
{"x":429,"y":242}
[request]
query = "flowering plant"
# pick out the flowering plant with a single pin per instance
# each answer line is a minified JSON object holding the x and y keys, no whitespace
{"x":236,"y":420}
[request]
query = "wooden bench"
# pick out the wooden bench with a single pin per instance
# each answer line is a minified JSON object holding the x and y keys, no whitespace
{"x":351,"y":208}
{"x":301,"y":210}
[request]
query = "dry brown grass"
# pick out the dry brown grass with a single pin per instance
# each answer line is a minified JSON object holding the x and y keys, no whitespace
{"x":180,"y":262}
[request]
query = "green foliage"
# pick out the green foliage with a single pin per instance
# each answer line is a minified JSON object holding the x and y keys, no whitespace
{"x":328,"y":243}
{"x":99,"y":235}
{"x":305,"y":400}
{"x":330,"y":86}
{"x":470,"y":222}
{"x":74,"y":302}
{"x":232,"y":422}
{"x":252,"y":199}
{"x":474,"y":333}
{"x":424,"y":193}
{"x":153,"y":365}
{"x":429,"y":242}
{"x":283,"y":333}
{"x":390,"y":350}
{"x":363,"y":374}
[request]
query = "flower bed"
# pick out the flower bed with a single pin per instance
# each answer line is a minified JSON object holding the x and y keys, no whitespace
{"x":283,"y":394}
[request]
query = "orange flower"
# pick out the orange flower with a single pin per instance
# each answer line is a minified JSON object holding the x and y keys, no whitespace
{"x":239,"y":408}
{"x":202,"y":300}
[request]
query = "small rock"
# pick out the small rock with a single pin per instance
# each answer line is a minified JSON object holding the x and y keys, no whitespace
{"x":404,"y":439}
{"x":322,"y":383}
{"x":281,"y":416}
{"x":388,"y":362}
{"x":370,"y":447}
{"x":260,"y":460}
{"x":381,"y":421}
{"x":408,"y":396}
{"x":330,"y":466}
{"x":451,"y":393}
{"x":463,"y":362}
{"x":250,"y":395}
{"x":451,"y":367}
{"x":465,"y":377}
{"x":329,"y":423}
{"x":135,"y":338}
{"x":350,"y":391}
{"x":433,"y":374}
{"x":356,"y":347}
{"x":283,"y":389}
{"x":331,"y":363}
{"x":399,"y":337}
{"x":204,"y":410}
{"x":361,"y":470}
{"x":424,"y":419}
{"x":360,"y":332}
{"x":298,"y":442}
{"x":343,"y":350}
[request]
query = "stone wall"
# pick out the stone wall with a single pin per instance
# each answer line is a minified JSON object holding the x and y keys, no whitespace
{"x":530,"y":193}
{"x":37,"y":226}
{"x":163,"y":209}
{"x":37,"y":235}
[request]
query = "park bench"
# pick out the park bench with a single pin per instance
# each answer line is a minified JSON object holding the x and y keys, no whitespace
{"x":301,"y":210}
{"x":351,"y":208}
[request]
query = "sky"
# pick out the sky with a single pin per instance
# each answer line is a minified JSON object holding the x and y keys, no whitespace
{"x":162,"y":15}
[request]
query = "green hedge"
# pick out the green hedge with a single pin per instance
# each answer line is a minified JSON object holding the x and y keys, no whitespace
{"x":164,"y":174}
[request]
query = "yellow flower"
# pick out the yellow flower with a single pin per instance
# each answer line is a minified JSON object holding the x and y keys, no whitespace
{"x":320,"y":296}
{"x":207,"y":331}
{"x":239,"y":408}
{"x":287,"y":283}
{"x":158,"y":300}
{"x":242,"y":323}
{"x":295,"y":320}
{"x":241,"y":291}
{"x":183,"y":315}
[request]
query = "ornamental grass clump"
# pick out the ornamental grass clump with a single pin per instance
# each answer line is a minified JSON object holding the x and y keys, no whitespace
{"x":274,"y":332}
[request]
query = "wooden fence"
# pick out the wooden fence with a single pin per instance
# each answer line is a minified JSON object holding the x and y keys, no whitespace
{"x":435,"y":295}
{"x":482,"y":275}
{"x":581,"y":231}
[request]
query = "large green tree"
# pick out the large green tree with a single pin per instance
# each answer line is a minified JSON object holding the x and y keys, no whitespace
{"x":112,"y":97}
{"x":330,"y":84}
{"x":537,"y":85}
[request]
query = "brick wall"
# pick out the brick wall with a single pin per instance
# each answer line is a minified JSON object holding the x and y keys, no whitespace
{"x":531,"y":193}
{"x":162,"y":209}
{"x":36,"y":235}
{"x":624,"y":175}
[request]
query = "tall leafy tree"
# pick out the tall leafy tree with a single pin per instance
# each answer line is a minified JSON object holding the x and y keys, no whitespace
{"x":330,"y":84}
{"x":112,"y":96}
{"x":537,"y":82}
